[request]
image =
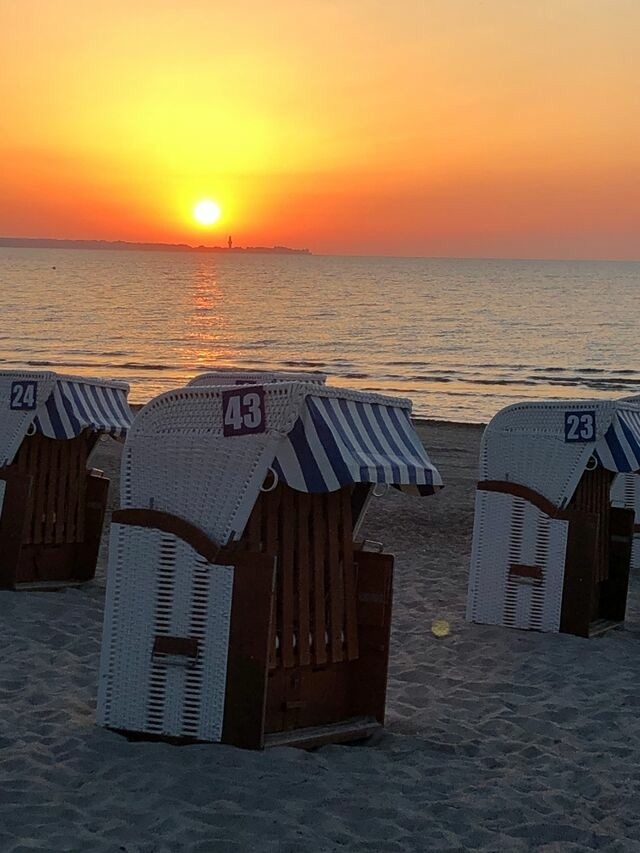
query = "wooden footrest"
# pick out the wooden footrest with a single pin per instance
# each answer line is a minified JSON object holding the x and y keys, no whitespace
{"x":357,"y":728}
{"x":601,"y":626}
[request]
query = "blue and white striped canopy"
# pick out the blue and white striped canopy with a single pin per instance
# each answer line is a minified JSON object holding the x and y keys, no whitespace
{"x":337,"y":441}
{"x":74,"y":406}
{"x":619,"y":448}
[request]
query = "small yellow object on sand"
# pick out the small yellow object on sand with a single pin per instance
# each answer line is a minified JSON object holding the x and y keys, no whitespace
{"x":440,"y":628}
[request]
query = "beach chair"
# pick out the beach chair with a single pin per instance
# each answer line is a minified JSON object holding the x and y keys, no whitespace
{"x":238,"y":609}
{"x":51,"y":504}
{"x":550,"y":552}
{"x":238,"y":376}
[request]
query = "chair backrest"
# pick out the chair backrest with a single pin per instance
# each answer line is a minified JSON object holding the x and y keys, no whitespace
{"x":544,"y":445}
{"x":236,"y":376}
{"x":218,"y":448}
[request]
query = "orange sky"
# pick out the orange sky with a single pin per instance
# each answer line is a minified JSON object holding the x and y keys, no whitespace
{"x":422,"y":127}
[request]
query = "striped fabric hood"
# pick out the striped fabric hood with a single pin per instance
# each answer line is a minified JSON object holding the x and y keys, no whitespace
{"x":338,"y":440}
{"x":76,"y":405}
{"x":59,"y":407}
{"x":619,"y":449}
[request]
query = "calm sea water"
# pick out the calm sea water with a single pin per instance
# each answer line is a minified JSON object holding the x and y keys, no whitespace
{"x":461,"y":338}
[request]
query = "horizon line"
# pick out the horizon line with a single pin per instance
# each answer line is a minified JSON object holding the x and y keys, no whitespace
{"x":186,"y":247}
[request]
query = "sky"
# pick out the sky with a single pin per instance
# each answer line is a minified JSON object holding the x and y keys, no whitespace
{"x":478,"y":128}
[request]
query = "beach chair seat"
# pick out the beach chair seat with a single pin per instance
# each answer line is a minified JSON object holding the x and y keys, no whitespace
{"x":52,"y":502}
{"x":550,"y":551}
{"x":295,"y":638}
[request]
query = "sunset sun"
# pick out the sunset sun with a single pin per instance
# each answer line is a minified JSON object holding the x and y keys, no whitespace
{"x":206,"y":212}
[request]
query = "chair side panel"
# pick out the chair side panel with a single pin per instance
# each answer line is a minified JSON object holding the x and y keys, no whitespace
{"x":517,"y":564}
{"x":160,"y":587}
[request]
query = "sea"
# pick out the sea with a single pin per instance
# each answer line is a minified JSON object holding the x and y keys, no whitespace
{"x":461,"y":338}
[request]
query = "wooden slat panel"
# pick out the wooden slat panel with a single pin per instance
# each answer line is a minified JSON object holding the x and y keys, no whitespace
{"x":270,"y":510}
{"x":336,"y":586}
{"x":368,"y":682}
{"x":252,"y":536}
{"x":348,"y":570}
{"x":246,"y":688}
{"x":52,"y":477}
{"x":40,"y":482}
{"x":613,"y":599}
{"x":285,"y":570}
{"x":73,"y":496}
{"x":303,"y":567}
{"x":12,"y":522}
{"x":28,"y":464}
{"x":578,"y":572}
{"x":81,"y":474}
{"x":319,"y":594}
{"x":61,"y":503}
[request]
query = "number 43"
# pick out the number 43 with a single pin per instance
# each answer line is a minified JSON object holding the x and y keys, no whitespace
{"x":243,"y":412}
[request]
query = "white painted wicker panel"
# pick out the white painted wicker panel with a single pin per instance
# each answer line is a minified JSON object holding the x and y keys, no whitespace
{"x":509,"y":530}
{"x":158,"y":585}
{"x":210,"y":481}
{"x":14,"y":424}
{"x":489,"y":559}
{"x":177,"y":459}
{"x":525,"y":443}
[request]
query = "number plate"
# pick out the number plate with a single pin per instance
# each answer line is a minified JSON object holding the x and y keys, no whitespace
{"x":24,"y":396}
{"x":579,"y":427}
{"x":243,"y":411}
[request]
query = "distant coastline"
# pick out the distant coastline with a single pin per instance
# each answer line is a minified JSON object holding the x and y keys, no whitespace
{"x":122,"y":245}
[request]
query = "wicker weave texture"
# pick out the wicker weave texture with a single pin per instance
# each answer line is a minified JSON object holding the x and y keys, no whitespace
{"x":509,"y":531}
{"x":15,"y":424}
{"x":525,"y":443}
{"x":177,"y":458}
{"x":158,"y":586}
{"x":234,"y":376}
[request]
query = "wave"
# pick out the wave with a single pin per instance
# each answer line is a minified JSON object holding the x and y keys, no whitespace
{"x":102,"y":365}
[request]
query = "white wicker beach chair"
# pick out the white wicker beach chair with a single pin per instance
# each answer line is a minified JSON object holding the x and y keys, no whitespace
{"x":238,"y":608}
{"x":51,"y":506}
{"x":238,"y":376}
{"x":550,"y":552}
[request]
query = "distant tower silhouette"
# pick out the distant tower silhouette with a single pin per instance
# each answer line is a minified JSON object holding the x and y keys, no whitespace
{"x":230,"y":243}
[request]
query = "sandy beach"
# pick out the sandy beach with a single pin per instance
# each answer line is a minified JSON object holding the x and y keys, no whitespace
{"x":496,"y":740}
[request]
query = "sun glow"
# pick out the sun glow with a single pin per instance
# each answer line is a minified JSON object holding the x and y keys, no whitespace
{"x":207,"y":212}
